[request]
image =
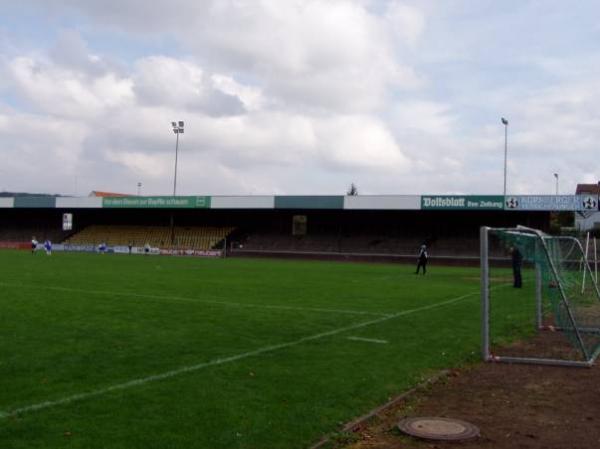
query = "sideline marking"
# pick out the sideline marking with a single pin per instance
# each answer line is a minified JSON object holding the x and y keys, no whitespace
{"x":368,"y":340}
{"x":197,"y":300}
{"x":219,"y":361}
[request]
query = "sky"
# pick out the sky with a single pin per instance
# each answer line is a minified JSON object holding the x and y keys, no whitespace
{"x":299,"y":96}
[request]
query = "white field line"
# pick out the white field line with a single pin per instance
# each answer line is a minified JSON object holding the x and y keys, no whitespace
{"x":368,"y":340}
{"x":198,"y":300}
{"x":220,"y":361}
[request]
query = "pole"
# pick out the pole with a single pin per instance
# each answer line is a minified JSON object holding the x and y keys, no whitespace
{"x":505,"y":152}
{"x":587,"y":249}
{"x":595,"y":261}
{"x":556,"y":176}
{"x":176,"y":151}
{"x":538,"y":296}
{"x":485,"y":293}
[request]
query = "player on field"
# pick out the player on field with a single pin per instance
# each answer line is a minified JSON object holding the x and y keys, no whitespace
{"x":422,"y":260}
{"x":48,"y":247}
{"x":34,"y":244}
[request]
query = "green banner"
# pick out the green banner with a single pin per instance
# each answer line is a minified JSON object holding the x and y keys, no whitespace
{"x":480,"y":202}
{"x":157,"y":202}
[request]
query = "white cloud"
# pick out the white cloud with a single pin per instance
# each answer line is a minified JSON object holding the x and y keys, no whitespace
{"x":58,"y":91}
{"x":359,"y":141}
{"x":162,"y":81}
{"x":298,"y":96}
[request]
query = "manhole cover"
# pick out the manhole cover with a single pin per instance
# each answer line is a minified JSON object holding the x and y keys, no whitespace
{"x":432,"y":428}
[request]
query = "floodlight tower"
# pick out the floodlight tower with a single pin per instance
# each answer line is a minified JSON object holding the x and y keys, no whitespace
{"x":505,"y":123}
{"x":177,"y":129}
{"x":556,"y":176}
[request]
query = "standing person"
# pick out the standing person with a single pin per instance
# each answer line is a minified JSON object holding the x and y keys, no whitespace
{"x":34,"y":244}
{"x":422,"y":261}
{"x":130,"y":246}
{"x":48,"y":247}
{"x":517,"y":261}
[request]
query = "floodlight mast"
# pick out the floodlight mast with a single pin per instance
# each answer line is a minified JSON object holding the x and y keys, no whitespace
{"x":505,"y":123}
{"x":177,"y":129}
{"x":556,"y":176}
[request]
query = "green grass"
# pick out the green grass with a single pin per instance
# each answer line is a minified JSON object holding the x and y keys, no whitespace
{"x":78,"y":324}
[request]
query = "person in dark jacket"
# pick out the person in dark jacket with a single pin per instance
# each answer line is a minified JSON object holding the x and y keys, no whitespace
{"x":422,"y":261}
{"x":517,"y":262}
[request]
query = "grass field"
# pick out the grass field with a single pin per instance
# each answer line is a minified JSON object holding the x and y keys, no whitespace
{"x":117,"y":351}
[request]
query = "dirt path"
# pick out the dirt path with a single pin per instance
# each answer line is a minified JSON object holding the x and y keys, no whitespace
{"x":515,"y":407}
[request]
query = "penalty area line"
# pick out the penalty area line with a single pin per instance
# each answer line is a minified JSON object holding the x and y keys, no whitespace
{"x":220,"y":361}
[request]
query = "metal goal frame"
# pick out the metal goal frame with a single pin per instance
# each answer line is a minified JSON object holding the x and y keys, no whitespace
{"x":587,"y":356}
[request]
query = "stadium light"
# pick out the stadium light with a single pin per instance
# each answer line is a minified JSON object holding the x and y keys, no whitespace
{"x":139,"y":186}
{"x":177,"y":129}
{"x":556,"y":176}
{"x":505,"y":123}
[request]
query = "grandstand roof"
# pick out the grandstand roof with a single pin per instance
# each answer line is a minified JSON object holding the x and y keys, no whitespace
{"x":310,"y":202}
{"x":106,"y":194}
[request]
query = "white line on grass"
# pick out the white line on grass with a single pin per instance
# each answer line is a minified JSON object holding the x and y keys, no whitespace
{"x":198,"y":300}
{"x":219,"y":361}
{"x":368,"y":340}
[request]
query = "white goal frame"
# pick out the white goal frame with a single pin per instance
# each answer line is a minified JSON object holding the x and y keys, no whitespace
{"x":588,"y":358}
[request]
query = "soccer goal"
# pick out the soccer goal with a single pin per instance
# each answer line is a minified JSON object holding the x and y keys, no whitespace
{"x":554,"y":318}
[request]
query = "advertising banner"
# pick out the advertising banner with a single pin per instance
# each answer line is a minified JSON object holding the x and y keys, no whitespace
{"x":80,"y":248}
{"x":453,"y":202}
{"x":157,"y":202}
{"x":191,"y":252}
{"x":67,"y":222}
{"x":142,"y":250}
{"x":15,"y":245}
{"x":551,"y":202}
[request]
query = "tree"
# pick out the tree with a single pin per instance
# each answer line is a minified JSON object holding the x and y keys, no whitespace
{"x":352,"y":190}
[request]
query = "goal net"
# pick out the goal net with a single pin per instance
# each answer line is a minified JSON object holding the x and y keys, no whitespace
{"x":554,"y":316}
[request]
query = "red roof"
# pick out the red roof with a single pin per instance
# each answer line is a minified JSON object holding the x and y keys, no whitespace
{"x":594,"y":189}
{"x":103,"y":194}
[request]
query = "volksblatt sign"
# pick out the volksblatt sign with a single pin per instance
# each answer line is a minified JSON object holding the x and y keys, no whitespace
{"x":481,"y":202}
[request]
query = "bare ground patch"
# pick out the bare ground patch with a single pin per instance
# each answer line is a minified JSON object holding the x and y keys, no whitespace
{"x":515,"y":407}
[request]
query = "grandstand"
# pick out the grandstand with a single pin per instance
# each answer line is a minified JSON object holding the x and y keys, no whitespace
{"x":193,"y":237}
{"x":384,"y":228}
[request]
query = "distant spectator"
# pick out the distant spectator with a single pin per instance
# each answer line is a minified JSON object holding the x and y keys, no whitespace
{"x":130,"y":246}
{"x":517,"y":262}
{"x":422,"y":260}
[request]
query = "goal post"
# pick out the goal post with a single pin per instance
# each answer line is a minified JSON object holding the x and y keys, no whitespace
{"x":554,"y":318}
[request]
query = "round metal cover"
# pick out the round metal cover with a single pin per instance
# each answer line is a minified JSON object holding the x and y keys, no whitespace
{"x":433,"y":428}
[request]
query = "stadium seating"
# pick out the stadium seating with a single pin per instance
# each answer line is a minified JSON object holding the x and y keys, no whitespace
{"x":24,"y":234}
{"x":362,"y":244}
{"x":193,"y":237}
